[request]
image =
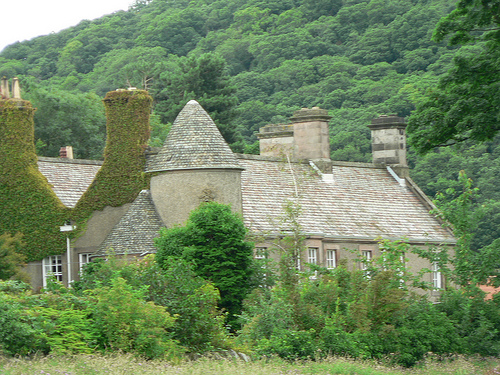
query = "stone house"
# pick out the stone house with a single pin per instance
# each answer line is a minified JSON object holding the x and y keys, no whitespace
{"x":343,"y":208}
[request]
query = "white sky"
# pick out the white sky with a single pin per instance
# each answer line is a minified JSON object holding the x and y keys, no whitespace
{"x":26,"y":19}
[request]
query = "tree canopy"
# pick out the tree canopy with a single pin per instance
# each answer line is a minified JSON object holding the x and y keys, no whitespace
{"x":466,"y":103}
{"x":213,"y":241}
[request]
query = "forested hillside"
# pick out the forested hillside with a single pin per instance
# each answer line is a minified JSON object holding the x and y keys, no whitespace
{"x":252,"y":62}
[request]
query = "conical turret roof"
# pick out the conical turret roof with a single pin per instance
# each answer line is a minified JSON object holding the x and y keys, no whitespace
{"x":194,"y":142}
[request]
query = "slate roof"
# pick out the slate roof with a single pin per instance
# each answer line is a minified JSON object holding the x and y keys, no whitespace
{"x":194,"y":142}
{"x":362,"y":202}
{"x":136,"y":230}
{"x":69,"y":178}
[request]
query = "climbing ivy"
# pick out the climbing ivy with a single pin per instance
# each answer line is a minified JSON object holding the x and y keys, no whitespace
{"x":121,"y":176}
{"x":28,"y":205}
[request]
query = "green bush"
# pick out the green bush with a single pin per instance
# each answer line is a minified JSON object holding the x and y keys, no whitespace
{"x":421,"y":329}
{"x":17,"y":337}
{"x":477,"y":321}
{"x":199,"y":324}
{"x":213,"y":241}
{"x":126,"y":322}
{"x":290,"y":344}
{"x":66,"y":331}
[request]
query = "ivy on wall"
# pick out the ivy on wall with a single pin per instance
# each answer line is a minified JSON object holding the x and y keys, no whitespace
{"x":121,"y":176}
{"x":28,"y":205}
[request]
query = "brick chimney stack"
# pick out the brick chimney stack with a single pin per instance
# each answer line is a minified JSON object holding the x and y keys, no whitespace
{"x":66,"y":152}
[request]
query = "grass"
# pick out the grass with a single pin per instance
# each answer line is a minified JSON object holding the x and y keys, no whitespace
{"x":128,"y":364}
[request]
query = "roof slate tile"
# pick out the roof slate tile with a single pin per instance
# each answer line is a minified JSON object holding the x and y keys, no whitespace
{"x":361,"y":202}
{"x":194,"y":142}
{"x":136,"y":230}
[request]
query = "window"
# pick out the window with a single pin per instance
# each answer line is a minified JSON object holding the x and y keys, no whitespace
{"x":331,"y":259}
{"x":83,"y":259}
{"x":52,"y":267}
{"x":367,"y":257}
{"x":436,"y":276}
{"x":260,"y":253}
{"x":312,"y":256}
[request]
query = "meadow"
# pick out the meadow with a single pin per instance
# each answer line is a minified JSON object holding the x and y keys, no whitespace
{"x":130,"y":364}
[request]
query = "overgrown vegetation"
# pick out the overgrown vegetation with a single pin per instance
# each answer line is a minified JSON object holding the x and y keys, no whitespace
{"x":213,"y":242}
{"x":30,"y":210}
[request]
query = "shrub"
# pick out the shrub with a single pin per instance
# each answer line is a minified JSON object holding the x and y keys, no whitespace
{"x":290,"y":344}
{"x":213,"y":240}
{"x":126,"y":322}
{"x":17,"y":337}
{"x":421,"y":329}
{"x":199,"y":325}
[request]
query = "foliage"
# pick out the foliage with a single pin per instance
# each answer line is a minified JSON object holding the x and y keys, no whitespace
{"x":121,"y":176}
{"x":127,"y":323}
{"x":11,"y":259}
{"x":199,"y":325}
{"x":204,"y":79}
{"x":348,"y":313}
{"x":213,"y":240}
{"x":29,"y":207}
{"x":16,"y":334}
{"x":469,"y":268}
{"x":476,"y":320}
{"x":64,"y":118}
{"x":465,"y":105}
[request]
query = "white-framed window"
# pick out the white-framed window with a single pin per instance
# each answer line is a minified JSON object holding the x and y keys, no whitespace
{"x":52,"y":267}
{"x":436,"y":276}
{"x":312,"y":255}
{"x":83,"y":259}
{"x":366,"y":258}
{"x":312,"y":258}
{"x":331,"y":259}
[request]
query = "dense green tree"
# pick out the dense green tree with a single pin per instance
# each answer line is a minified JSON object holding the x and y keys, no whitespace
{"x":213,"y":240}
{"x":204,"y":79}
{"x":68,"y":119}
{"x":466,"y":104}
{"x":120,"y":68}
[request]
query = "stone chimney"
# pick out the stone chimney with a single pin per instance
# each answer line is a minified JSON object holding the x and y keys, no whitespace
{"x":389,"y":142}
{"x":16,"y":90}
{"x":307,"y":137}
{"x":66,"y":152}
{"x":5,"y":91}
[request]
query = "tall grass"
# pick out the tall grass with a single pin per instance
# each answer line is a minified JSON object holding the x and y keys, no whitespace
{"x":128,"y":364}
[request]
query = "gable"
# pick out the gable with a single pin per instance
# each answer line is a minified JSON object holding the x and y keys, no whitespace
{"x":69,"y":178}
